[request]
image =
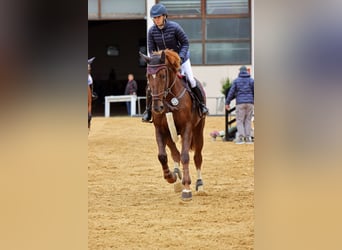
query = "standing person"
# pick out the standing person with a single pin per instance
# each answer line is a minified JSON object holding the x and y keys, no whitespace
{"x":90,"y":92}
{"x":243,"y":89}
{"x":131,"y":89}
{"x":165,"y":34}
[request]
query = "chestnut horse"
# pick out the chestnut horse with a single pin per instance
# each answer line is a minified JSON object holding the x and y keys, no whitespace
{"x":170,"y":94}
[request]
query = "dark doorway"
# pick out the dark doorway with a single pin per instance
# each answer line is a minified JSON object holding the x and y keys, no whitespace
{"x":116,"y":45}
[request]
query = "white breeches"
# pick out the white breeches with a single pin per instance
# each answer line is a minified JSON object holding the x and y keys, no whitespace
{"x":187,"y":70}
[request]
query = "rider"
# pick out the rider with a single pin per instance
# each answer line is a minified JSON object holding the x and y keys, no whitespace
{"x":167,"y":34}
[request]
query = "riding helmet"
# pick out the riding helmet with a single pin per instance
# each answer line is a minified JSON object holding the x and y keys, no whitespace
{"x":158,"y":10}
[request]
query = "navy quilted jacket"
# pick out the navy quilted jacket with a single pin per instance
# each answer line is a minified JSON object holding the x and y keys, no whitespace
{"x":242,"y":89}
{"x":172,"y":36}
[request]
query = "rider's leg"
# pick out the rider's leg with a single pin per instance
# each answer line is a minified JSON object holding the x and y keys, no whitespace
{"x":186,"y":68}
{"x":147,"y":115}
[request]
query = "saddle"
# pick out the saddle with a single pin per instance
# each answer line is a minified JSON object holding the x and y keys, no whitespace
{"x":187,"y":86}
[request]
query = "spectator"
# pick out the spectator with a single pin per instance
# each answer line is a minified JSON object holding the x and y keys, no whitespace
{"x":131,"y":89}
{"x":243,"y":90}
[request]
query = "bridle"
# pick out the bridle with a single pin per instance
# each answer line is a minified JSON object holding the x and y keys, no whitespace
{"x":153,"y":70}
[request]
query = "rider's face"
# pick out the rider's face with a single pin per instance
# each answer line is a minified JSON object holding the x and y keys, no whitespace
{"x":158,"y":20}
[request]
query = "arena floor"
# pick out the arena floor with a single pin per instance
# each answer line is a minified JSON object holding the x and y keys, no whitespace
{"x":131,"y":206}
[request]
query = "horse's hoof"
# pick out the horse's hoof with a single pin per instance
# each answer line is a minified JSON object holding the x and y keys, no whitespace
{"x":199,"y":185}
{"x":170,"y":177}
{"x":178,"y":173}
{"x":186,"y":195}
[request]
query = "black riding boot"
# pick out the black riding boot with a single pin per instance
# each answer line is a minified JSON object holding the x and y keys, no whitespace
{"x":147,"y":115}
{"x":200,"y":99}
{"x":89,"y":119}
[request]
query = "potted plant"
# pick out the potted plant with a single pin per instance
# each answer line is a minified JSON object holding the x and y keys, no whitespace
{"x":226,"y":84}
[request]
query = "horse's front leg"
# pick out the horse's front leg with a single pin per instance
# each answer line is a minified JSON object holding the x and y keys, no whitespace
{"x":185,"y":158}
{"x":162,"y":157}
{"x":178,"y":187}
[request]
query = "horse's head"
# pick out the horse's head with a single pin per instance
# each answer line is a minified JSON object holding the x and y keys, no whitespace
{"x":162,"y":68}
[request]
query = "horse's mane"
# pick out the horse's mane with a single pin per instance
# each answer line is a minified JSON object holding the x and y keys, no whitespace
{"x":172,"y":59}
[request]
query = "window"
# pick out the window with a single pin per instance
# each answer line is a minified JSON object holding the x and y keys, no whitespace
{"x":92,"y":9}
{"x":188,"y":7}
{"x":219,"y":30}
{"x":193,"y":28}
{"x":113,"y":9}
{"x":234,"y":53}
{"x":227,"y":7}
{"x":228,"y":28}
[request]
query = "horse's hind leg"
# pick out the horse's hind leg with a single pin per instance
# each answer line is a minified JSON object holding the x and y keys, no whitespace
{"x":176,"y":159}
{"x":198,"y":144}
{"x":175,"y":156}
{"x":198,"y":164}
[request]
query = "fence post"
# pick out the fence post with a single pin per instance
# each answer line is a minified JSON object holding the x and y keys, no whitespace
{"x":230,"y":131}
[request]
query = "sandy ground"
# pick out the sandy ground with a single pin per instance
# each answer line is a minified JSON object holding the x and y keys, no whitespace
{"x":131,"y":206}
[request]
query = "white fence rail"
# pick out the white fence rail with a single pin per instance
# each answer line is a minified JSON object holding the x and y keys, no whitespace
{"x":120,"y":98}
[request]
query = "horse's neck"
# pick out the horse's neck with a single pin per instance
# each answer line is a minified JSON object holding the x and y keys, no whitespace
{"x":176,"y":85}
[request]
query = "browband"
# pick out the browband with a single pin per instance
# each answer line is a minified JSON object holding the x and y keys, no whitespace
{"x":153,"y":69}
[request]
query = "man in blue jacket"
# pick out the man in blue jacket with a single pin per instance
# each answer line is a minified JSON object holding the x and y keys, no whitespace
{"x":243,"y":90}
{"x":165,"y":34}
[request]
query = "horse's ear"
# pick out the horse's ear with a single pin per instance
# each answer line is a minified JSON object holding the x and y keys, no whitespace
{"x":145,"y":57}
{"x":162,"y":57}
